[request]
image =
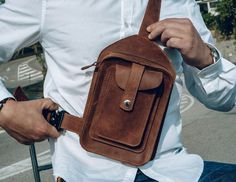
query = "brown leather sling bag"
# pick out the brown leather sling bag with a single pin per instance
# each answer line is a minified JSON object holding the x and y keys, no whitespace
{"x":128,"y":98}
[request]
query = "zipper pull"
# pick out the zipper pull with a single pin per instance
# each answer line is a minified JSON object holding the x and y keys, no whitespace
{"x":88,"y":66}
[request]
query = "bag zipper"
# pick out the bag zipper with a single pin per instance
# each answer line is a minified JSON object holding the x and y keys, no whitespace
{"x":90,"y":65}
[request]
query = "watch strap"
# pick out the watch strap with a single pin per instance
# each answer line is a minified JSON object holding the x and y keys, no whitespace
{"x":2,"y":102}
{"x":214,"y":53}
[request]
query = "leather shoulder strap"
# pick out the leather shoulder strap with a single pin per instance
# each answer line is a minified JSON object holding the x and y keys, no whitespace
{"x":152,"y":15}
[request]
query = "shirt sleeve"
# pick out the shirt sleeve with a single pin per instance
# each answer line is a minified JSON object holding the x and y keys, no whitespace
{"x":19,"y":27}
{"x":215,"y":85}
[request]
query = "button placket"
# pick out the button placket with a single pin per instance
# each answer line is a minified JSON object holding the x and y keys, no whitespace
{"x":126,"y":17}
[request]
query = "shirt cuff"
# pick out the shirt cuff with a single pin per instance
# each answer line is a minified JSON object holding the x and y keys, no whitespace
{"x":4,"y":93}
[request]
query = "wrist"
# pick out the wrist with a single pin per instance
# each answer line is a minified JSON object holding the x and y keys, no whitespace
{"x":3,"y":110}
{"x":208,"y":58}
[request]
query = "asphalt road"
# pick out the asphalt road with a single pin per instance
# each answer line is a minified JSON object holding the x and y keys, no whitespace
{"x":210,"y":133}
{"x":26,"y":71}
{"x":15,"y":164}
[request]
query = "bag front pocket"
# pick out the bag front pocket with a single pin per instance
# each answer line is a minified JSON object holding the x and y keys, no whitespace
{"x":114,"y":123}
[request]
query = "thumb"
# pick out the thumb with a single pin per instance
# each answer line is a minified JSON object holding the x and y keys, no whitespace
{"x":52,"y":131}
{"x":47,"y":103}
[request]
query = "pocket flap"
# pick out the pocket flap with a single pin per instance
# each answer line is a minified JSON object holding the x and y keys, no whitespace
{"x":150,"y":80}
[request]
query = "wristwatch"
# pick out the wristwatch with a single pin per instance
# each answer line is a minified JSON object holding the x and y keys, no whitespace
{"x":214,"y":53}
{"x":2,"y":102}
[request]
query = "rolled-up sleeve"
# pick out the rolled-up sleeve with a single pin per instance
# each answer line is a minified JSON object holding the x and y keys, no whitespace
{"x":215,"y":85}
{"x":20,"y":23}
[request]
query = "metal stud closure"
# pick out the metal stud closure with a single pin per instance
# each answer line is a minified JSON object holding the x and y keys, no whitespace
{"x":127,"y":103}
{"x":56,"y":119}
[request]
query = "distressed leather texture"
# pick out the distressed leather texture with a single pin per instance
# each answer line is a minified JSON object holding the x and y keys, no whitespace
{"x":128,"y":98}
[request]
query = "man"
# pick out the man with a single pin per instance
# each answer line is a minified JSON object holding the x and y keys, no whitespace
{"x":72,"y":34}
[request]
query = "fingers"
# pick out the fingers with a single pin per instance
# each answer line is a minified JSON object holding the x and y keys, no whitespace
{"x":177,"y":27}
{"x":170,"y":34}
{"x":155,"y":30}
{"x":52,"y":131}
{"x":41,"y":132}
{"x":47,"y":103}
{"x":181,"y":34}
{"x":174,"y":43}
{"x":21,"y":139}
{"x":26,"y":123}
{"x":170,"y":37}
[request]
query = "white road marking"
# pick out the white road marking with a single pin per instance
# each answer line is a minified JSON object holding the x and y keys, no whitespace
{"x":25,"y":72}
{"x":34,"y":76}
{"x":2,"y":131}
{"x":186,"y":103}
{"x":24,"y":165}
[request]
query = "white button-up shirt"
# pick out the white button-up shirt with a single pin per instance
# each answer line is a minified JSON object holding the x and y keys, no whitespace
{"x":72,"y":34}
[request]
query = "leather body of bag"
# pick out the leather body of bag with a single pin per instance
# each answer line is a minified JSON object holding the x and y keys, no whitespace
{"x":128,"y":98}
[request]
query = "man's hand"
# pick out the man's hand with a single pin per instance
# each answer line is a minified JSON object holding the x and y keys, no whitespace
{"x":24,"y":120}
{"x":180,"y":33}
